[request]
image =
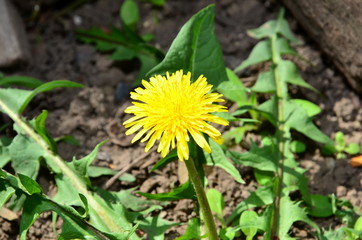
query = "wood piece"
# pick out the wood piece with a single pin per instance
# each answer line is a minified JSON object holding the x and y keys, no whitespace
{"x":14,"y":47}
{"x":336,"y":26}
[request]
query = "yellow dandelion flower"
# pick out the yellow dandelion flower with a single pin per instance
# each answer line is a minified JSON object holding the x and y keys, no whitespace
{"x":171,"y":109}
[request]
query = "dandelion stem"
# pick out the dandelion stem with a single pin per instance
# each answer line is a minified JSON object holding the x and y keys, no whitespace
{"x":201,"y":197}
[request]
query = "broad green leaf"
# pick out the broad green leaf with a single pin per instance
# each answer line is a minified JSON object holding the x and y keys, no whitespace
{"x":6,"y":191}
{"x":29,"y":184}
{"x":127,"y":199}
{"x":24,"y":81}
{"x":248,"y":218}
{"x":184,"y":191}
{"x":233,"y":89}
{"x":311,"y":108}
{"x":265,"y":83}
{"x":357,"y":225}
{"x":352,"y":148}
{"x":25,"y":155}
{"x":289,"y":73}
{"x":217,"y":158}
{"x":228,"y":233}
{"x":129,"y":13}
{"x":4,"y":155}
{"x":320,"y":206}
{"x":155,"y":227}
{"x":216,"y":201}
{"x":239,"y":132}
{"x":260,"y":53}
{"x":192,"y":230}
{"x":261,"y":197}
{"x":291,"y":212}
{"x":263,"y":158}
{"x":196,"y":49}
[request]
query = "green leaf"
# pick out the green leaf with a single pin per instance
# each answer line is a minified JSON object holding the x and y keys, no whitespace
{"x":74,"y":226}
{"x":261,"y":197}
{"x":24,"y":81}
{"x":290,"y":212}
{"x":13,"y":98}
{"x":129,"y":13}
{"x":124,"y":45}
{"x":196,"y":50}
{"x":340,"y":142}
{"x":217,"y":158}
{"x":357,"y":225}
{"x":311,"y":108}
{"x":297,"y":146}
{"x":260,"y":53}
{"x":216,"y":201}
{"x":184,"y":191}
{"x":233,"y":89}
{"x":296,"y":117}
{"x":320,"y":206}
{"x":263,"y":158}
{"x":192,"y":230}
{"x":155,"y":227}
{"x":248,"y":221}
{"x":273,"y":27}
{"x":352,"y":149}
{"x":30,"y":185}
{"x":6,"y":191}
{"x":289,"y":73}
{"x":43,"y":132}
{"x":170,"y":157}
{"x":265,"y":83}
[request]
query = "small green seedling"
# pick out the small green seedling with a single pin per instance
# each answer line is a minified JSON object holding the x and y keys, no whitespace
{"x":340,"y":147}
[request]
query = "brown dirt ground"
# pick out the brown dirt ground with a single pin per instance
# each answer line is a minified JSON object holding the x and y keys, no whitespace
{"x":92,"y":114}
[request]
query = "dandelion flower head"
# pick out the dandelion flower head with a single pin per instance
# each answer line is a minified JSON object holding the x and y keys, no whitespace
{"x":171,"y":109}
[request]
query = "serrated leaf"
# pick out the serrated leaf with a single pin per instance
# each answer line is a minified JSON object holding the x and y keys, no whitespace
{"x":291,"y":212}
{"x":13,"y":98}
{"x":218,"y":158}
{"x":155,"y":227}
{"x":24,"y":81}
{"x":196,"y":49}
{"x":95,"y":171}
{"x":184,"y":191}
{"x":233,"y":89}
{"x":216,"y":201}
{"x":192,"y":230}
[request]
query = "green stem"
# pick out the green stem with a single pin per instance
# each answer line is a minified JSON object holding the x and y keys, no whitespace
{"x":201,"y":197}
{"x":280,"y":94}
{"x":60,"y":163}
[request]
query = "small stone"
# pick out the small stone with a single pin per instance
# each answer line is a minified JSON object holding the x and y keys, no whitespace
{"x":14,"y":47}
{"x":341,"y":191}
